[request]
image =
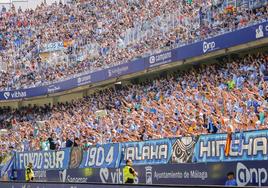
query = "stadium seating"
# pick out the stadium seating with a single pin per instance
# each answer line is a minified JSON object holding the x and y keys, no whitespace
{"x":92,"y":35}
{"x":232,"y":95}
{"x":204,"y":116}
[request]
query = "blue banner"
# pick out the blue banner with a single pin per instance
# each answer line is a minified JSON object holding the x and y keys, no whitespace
{"x":147,"y":152}
{"x":247,"y":173}
{"x":242,"y":36}
{"x":64,"y":185}
{"x":101,"y":156}
{"x":43,"y":160}
{"x":244,"y":146}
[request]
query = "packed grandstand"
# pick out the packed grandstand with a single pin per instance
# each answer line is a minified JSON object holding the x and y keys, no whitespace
{"x":205,"y":100}
{"x":101,"y":34}
{"x":229,"y":96}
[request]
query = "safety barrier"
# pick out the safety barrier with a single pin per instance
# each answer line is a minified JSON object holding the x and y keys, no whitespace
{"x":93,"y":185}
{"x":247,"y":173}
{"x":245,"y":146}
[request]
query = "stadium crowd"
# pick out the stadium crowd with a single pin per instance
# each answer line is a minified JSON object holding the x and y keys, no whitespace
{"x":120,"y":31}
{"x":228,"y":96}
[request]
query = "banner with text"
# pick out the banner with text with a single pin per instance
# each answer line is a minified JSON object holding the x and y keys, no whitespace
{"x":43,"y":160}
{"x":147,"y":152}
{"x":51,"y":47}
{"x":247,"y":173}
{"x":101,"y":156}
{"x":244,"y":146}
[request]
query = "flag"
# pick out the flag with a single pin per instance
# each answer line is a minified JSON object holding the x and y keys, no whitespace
{"x":67,"y":43}
{"x":241,"y":140}
{"x":228,"y":144}
{"x":229,"y":9}
{"x":101,"y":113}
{"x":7,"y":168}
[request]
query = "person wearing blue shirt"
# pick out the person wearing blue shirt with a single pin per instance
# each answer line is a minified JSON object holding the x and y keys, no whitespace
{"x":231,"y":180}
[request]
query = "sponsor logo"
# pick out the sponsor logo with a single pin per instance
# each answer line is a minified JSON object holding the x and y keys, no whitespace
{"x":40,"y":174}
{"x":115,"y":176}
{"x":62,"y":175}
{"x":7,"y":95}
{"x":117,"y":71}
{"x":246,"y":175}
{"x":259,"y":32}
{"x":53,"y":89}
{"x":208,"y":46}
{"x":149,"y":175}
{"x":104,"y":175}
{"x":15,"y":94}
{"x":193,"y":174}
{"x":67,"y":178}
{"x":84,"y":80}
{"x":160,"y":59}
{"x":152,"y":60}
{"x":76,"y":179}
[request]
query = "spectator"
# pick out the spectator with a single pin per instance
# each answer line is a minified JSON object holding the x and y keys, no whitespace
{"x":230,"y":180}
{"x":76,"y":142}
{"x":52,"y":141}
{"x":44,"y":144}
{"x":193,"y":102}
{"x":69,"y":143}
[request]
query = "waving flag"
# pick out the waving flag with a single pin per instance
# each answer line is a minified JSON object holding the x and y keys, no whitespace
{"x":228,"y":144}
